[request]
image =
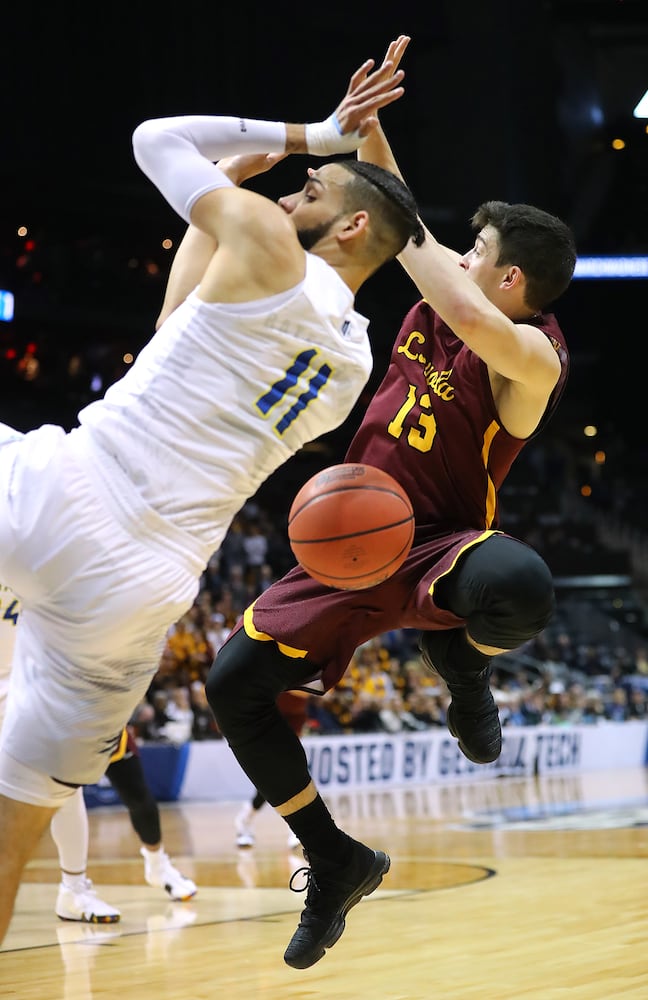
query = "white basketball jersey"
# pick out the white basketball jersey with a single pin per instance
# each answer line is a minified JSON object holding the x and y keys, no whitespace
{"x":225,"y":393}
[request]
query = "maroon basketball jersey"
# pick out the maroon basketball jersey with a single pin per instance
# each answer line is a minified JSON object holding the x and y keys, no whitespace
{"x":433,"y":424}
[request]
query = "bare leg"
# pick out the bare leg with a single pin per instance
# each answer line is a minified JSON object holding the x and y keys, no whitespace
{"x":21,"y":828}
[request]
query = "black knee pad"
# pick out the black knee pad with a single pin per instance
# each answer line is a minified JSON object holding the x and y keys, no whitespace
{"x":504,"y":590}
{"x":235,"y":683}
{"x":242,"y":688}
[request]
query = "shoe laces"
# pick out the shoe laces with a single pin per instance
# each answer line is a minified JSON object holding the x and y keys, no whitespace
{"x":309,"y":880}
{"x":313,"y":894}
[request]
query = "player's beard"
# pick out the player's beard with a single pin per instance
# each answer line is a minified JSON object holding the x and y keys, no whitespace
{"x":309,"y":237}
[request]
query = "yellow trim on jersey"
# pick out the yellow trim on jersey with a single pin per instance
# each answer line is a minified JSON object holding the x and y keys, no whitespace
{"x":491,"y":498}
{"x":121,"y":749}
{"x":253,"y":633}
{"x":468,"y":545}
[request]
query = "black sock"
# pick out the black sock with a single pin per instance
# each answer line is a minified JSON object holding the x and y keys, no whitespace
{"x":318,"y":834}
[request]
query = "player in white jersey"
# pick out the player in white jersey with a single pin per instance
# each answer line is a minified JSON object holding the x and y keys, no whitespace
{"x":105,"y":530}
{"x":77,"y":898}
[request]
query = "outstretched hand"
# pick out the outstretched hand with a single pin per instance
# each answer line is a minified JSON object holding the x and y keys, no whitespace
{"x":369,"y":91}
{"x":241,"y":168}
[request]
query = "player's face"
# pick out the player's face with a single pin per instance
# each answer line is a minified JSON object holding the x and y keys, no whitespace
{"x":480,"y":262}
{"x":318,"y":206}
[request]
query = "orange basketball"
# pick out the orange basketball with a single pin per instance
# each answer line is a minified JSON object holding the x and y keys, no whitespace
{"x":351,"y":526}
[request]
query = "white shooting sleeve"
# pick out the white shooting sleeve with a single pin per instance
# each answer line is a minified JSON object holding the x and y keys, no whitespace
{"x":178,"y":154}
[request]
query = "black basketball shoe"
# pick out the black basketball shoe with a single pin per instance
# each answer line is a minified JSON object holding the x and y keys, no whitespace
{"x":473,"y":718}
{"x":332,"y":891}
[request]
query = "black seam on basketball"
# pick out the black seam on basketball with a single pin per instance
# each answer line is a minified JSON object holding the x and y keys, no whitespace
{"x":354,"y":534}
{"x":361,"y":487}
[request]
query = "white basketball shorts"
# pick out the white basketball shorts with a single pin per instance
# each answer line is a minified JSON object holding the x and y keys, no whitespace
{"x":98,"y":595}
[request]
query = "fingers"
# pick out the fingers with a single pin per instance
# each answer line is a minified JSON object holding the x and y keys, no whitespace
{"x":360,"y":74}
{"x":374,"y":94}
{"x":361,"y":79}
{"x":245,"y":166}
{"x":396,"y":49}
{"x":368,"y":109}
{"x":371,"y":89}
{"x":386,"y":75}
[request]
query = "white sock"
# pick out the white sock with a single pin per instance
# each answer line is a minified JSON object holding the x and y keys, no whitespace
{"x":75,"y":883}
{"x":153,"y":854}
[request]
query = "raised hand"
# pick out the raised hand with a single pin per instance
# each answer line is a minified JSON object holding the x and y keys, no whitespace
{"x":368,"y":92}
{"x":357,"y":113}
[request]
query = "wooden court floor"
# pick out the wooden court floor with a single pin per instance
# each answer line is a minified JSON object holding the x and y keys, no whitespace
{"x":508,"y":889}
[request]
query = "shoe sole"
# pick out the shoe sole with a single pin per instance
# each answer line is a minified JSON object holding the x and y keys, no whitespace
{"x":90,"y":920}
{"x":180,"y":899}
{"x":374,"y":877}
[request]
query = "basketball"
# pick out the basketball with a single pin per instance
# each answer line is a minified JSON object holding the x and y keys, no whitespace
{"x":351,"y":526}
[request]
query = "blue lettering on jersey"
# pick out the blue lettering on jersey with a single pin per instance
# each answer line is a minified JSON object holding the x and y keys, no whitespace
{"x":314,"y":386}
{"x":282,"y":387}
{"x":11,"y":612}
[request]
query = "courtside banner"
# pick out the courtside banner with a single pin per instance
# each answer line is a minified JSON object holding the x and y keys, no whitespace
{"x":380,"y":760}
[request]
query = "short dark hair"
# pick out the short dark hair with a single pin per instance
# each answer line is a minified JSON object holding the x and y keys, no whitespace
{"x":540,"y":244}
{"x":392,"y":206}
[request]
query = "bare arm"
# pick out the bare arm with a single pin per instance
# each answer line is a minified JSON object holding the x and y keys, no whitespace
{"x":517,"y":352}
{"x":376,"y":149}
{"x":196,"y":249}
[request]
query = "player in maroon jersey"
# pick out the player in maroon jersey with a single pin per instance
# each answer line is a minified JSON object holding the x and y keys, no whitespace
{"x":477,"y":369}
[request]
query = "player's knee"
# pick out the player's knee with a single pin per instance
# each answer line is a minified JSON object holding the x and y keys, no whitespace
{"x":528,"y":584}
{"x":517,"y":599}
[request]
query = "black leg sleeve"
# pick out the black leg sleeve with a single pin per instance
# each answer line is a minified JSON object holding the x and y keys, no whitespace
{"x":242,"y":687}
{"x":129,"y":781}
